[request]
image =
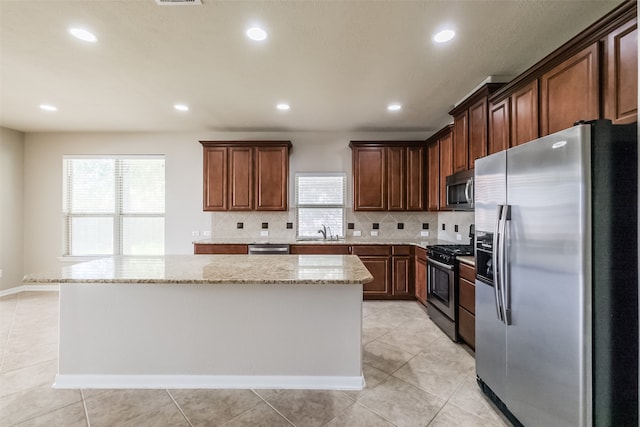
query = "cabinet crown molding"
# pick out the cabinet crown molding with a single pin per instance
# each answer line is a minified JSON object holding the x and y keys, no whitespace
{"x":245,"y":143}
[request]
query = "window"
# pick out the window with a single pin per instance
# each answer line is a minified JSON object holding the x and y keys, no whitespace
{"x":320,"y":200}
{"x":113,"y":205}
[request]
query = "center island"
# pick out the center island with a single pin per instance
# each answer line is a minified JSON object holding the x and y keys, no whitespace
{"x":211,"y":321}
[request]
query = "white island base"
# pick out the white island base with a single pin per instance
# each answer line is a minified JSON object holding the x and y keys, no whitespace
{"x":177,"y":335}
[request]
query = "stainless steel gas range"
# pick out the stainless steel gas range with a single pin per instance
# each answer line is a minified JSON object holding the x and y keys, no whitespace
{"x":442,"y":279}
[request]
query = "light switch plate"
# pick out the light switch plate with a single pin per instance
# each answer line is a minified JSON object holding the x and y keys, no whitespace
{"x":424,"y":233}
{"x":264,"y":233}
{"x":374,"y":233}
{"x":357,"y":233}
{"x":206,"y":233}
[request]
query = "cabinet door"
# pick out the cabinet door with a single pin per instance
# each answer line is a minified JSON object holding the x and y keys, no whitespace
{"x":401,"y":273}
{"x":446,"y":167}
{"x":570,"y":92}
{"x":621,"y":74}
{"x":369,"y":179}
{"x":467,"y":327}
{"x":421,"y":279}
{"x":396,"y":178}
{"x":319,"y":249}
{"x":499,"y":135}
{"x":272,"y":171}
{"x":460,"y":142}
{"x":215,"y":179}
{"x":477,"y":131}
{"x":524,"y":114}
{"x":415,"y":179}
{"x":433,"y":160}
{"x":241,"y":178}
{"x":227,"y":249}
{"x":379,"y":269}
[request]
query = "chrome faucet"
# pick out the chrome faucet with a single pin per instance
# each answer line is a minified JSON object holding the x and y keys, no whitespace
{"x":330,"y":233}
{"x":323,"y":232}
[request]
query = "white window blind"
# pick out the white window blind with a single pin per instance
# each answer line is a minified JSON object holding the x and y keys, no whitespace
{"x":114,"y":205}
{"x":320,"y":200}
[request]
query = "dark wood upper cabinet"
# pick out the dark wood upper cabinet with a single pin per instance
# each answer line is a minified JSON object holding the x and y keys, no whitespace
{"x":433,"y":167}
{"x":396,"y":178}
{"x":272,"y":172}
{"x":387,"y":175}
{"x":240,"y":178}
{"x":460,"y":141}
{"x":369,"y":178}
{"x":245,"y":175}
{"x":471,"y":128}
{"x":478,"y":132}
{"x":415,"y":178}
{"x":524,"y":114}
{"x":499,"y":133}
{"x":621,"y":74}
{"x":570,"y":92}
{"x":445,"y":166}
{"x":215,"y":179}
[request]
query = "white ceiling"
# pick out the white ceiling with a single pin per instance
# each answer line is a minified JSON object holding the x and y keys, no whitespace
{"x":338,"y":63}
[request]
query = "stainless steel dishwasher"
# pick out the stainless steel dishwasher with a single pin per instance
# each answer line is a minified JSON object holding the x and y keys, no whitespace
{"x":268,"y":249}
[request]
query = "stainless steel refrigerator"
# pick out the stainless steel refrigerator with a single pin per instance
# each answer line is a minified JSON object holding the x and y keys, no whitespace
{"x":557,"y":278}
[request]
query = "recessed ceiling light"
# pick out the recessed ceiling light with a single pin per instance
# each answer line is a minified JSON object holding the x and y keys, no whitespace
{"x":83,"y":34}
{"x":444,"y":36}
{"x":48,"y":107}
{"x":283,"y":106}
{"x":394,"y":107}
{"x":256,"y":33}
{"x":181,"y":107}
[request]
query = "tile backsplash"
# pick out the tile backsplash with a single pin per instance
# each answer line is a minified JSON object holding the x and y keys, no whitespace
{"x":225,"y":224}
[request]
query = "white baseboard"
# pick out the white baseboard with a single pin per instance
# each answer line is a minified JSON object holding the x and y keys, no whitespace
{"x":66,"y":381}
{"x":30,"y":288}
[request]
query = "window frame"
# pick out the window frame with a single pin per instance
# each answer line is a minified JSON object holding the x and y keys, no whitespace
{"x":118,"y":216}
{"x":342,"y":206}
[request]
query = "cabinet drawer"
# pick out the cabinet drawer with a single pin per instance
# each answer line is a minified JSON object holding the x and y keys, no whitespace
{"x":467,"y":272}
{"x":319,"y":249}
{"x":401,"y":250}
{"x":467,"y":327}
{"x":206,"y":249}
{"x":371,"y":250}
{"x":468,"y":295}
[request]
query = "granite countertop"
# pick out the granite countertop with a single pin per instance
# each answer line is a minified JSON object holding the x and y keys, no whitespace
{"x":213,"y":269}
{"x":347,"y":241}
{"x":470,"y":260}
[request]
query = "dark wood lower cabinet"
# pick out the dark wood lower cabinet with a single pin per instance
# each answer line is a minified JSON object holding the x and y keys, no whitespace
{"x":467,"y":304}
{"x":379,"y":269}
{"x":320,"y":249}
{"x":420,"y":274}
{"x":219,"y":249}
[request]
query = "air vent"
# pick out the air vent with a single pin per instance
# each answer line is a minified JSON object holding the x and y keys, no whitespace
{"x":179,"y":2}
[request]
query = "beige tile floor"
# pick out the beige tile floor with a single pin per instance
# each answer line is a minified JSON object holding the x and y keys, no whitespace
{"x":415,"y":377}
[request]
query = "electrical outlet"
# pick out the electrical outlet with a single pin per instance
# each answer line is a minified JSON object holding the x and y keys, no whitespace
{"x":424,"y":233}
{"x":0,"y":273}
{"x":264,"y":233}
{"x":357,"y":233}
{"x":374,"y":233}
{"x":195,"y":233}
{"x":458,"y":236}
{"x":206,"y":233}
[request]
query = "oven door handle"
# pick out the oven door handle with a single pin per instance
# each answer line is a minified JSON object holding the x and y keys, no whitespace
{"x":439,"y":264}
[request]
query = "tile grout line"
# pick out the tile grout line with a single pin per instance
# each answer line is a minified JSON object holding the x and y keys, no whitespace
{"x":84,"y":406}
{"x":6,"y":343}
{"x":272,"y":407}
{"x":178,"y":406}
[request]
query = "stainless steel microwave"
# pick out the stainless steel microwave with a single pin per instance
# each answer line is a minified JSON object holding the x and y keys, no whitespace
{"x":460,"y":191}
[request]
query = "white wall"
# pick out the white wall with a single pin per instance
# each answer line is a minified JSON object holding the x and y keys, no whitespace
{"x":311,"y":152}
{"x":11,"y":207}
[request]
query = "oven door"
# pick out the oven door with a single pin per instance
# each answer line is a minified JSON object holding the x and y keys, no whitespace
{"x":441,"y":287}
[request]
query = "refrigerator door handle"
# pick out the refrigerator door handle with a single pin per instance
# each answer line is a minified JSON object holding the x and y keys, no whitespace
{"x":504,"y":265}
{"x":496,"y":265}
